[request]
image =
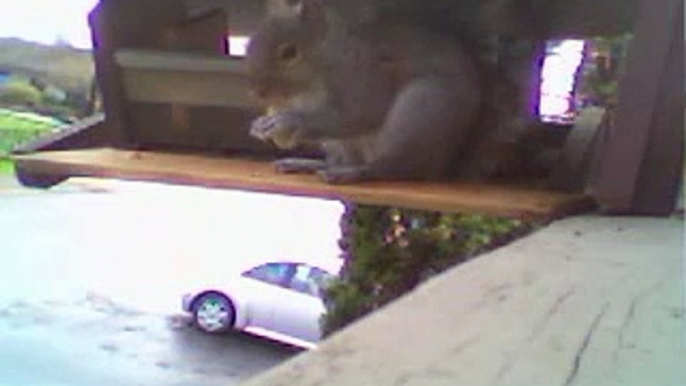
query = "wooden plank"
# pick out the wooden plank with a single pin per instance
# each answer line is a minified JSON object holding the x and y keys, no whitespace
{"x":178,"y":61}
{"x":499,"y":200}
{"x":190,"y":79}
{"x":192,"y":89}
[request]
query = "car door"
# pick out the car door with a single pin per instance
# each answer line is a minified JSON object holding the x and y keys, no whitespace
{"x":264,"y":286}
{"x":299,"y":314}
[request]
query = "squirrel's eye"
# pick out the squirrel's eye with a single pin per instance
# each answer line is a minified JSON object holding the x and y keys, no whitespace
{"x":288,"y":53}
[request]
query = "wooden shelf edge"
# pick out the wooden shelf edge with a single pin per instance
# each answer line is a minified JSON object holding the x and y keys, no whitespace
{"x":242,"y":174}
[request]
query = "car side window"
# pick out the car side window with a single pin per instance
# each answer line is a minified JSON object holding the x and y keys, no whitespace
{"x":301,"y":279}
{"x":308,"y":280}
{"x":272,"y":273}
{"x":321,"y":279}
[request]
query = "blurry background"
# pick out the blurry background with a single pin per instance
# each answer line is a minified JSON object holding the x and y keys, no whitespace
{"x":47,"y":21}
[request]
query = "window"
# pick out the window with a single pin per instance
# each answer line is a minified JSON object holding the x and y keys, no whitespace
{"x":309,"y":280}
{"x":301,"y":280}
{"x":272,"y":273}
{"x":238,"y":46}
{"x":321,"y":279}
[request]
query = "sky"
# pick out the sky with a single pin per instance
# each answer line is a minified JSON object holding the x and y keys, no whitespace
{"x":558,"y":77}
{"x":46,"y":21}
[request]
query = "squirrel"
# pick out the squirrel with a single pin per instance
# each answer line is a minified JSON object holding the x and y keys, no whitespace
{"x":385,"y":87}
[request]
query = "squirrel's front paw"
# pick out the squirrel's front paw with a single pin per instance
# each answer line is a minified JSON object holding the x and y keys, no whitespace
{"x":282,"y":128}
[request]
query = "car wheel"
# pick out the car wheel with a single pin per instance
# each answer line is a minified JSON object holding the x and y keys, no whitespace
{"x":213,"y":313}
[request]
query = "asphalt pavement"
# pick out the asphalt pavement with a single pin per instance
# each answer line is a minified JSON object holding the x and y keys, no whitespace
{"x":92,"y":274}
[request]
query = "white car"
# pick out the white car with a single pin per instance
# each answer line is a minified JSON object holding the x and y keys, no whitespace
{"x":278,"y":300}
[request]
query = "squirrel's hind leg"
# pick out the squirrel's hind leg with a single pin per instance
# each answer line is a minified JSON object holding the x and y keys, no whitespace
{"x":424,"y":130}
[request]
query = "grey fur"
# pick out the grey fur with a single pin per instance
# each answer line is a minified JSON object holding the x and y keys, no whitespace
{"x":386,"y":98}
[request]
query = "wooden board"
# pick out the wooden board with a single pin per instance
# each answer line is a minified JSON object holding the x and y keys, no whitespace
{"x":510,"y":201}
{"x":190,"y":79}
{"x":178,"y":61}
{"x":192,"y":89}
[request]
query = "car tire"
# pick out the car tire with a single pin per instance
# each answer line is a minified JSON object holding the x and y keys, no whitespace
{"x":213,"y":313}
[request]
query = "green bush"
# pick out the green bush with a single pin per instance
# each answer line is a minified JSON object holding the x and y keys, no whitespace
{"x":600,"y":80}
{"x":389,"y":251}
{"x":20,"y":93}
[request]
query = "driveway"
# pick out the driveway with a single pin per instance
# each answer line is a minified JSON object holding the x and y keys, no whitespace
{"x":92,"y":274}
{"x":8,"y":182}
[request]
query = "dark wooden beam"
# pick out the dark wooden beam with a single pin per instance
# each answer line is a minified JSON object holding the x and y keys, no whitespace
{"x":661,"y":172}
{"x":117,"y":24}
{"x":640,"y":161}
{"x":550,"y":19}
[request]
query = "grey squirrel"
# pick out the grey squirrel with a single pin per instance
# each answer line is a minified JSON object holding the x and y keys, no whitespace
{"x":386,"y":95}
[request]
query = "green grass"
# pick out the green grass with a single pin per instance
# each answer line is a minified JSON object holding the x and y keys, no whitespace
{"x":6,"y":166}
{"x":21,"y":127}
{"x":13,"y":120}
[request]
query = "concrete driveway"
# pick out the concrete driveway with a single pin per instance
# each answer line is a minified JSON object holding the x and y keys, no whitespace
{"x":92,"y":274}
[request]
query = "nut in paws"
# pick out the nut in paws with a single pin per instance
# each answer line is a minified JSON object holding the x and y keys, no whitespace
{"x":281,"y":128}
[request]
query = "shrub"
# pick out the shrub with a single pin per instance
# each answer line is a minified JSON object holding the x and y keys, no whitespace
{"x":389,"y":251}
{"x":20,"y":93}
